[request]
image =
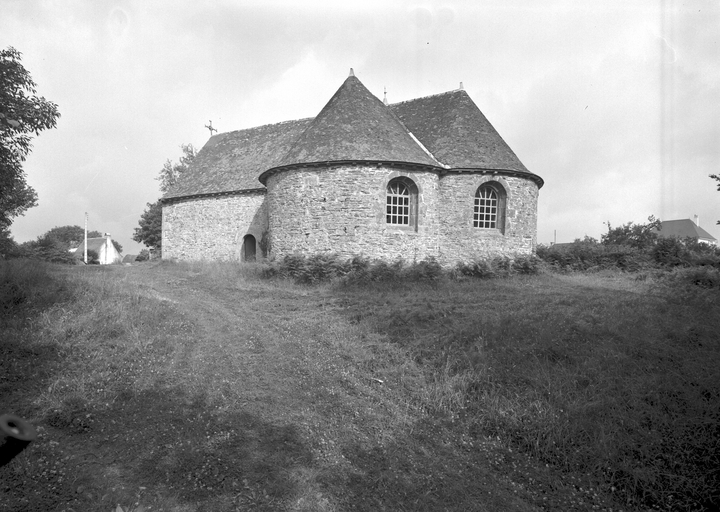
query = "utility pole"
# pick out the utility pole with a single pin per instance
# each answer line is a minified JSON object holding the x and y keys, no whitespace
{"x":85,"y":239}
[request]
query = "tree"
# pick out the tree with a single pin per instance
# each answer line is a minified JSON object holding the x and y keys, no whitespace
{"x":56,"y":245}
{"x":8,"y":247}
{"x":21,"y":113}
{"x":73,"y":236}
{"x":639,"y":236}
{"x":70,"y":236}
{"x":150,"y":230}
{"x":47,"y":248}
{"x":588,"y":240}
{"x":170,"y":173}
{"x":93,"y":257}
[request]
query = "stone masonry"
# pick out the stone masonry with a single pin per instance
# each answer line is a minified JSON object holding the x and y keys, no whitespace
{"x":213,"y":227}
{"x":341,"y":210}
{"x":460,"y":241}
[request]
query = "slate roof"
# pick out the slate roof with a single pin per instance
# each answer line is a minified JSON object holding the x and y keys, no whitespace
{"x":456,"y":132}
{"x":445,"y":131}
{"x":683,"y":228}
{"x":233,"y":161}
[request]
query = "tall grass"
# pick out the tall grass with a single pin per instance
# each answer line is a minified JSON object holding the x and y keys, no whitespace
{"x":622,"y":387}
{"x":617,"y":383}
{"x":27,"y":283}
{"x":99,"y":327}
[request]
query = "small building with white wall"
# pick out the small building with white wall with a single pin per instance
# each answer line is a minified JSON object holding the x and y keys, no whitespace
{"x":103,"y":247}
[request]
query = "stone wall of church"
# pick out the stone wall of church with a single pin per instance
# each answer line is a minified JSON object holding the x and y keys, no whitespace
{"x":213,"y":227}
{"x":460,"y":241}
{"x":341,"y":210}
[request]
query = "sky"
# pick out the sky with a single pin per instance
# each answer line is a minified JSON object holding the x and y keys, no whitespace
{"x":615,"y":104}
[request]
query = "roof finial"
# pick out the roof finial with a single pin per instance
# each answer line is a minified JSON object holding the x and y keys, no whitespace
{"x":385,"y":96}
{"x":461,"y":86}
{"x":210,"y":127}
{"x":352,"y":73}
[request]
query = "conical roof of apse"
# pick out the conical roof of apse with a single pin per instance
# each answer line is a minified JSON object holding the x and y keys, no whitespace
{"x":355,"y":125}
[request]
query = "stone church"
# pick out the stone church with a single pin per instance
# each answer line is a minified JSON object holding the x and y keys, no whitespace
{"x":421,"y":178}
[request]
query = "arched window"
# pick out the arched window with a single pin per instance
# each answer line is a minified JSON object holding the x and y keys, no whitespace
{"x":489,"y":212}
{"x":401,"y":202}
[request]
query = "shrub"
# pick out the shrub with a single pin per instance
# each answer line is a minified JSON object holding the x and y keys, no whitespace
{"x":630,"y":248}
{"x":705,"y":276}
{"x":528,"y":265}
{"x":320,"y":268}
{"x":673,"y":252}
{"x":637,"y":236}
{"x":47,"y":249}
{"x":426,"y":270}
{"x":304,"y":269}
{"x":500,"y":266}
{"x":584,"y":256}
{"x":92,"y":257}
{"x":480,"y":269}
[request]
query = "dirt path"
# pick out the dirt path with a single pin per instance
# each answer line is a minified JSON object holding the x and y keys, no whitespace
{"x":289,"y":356}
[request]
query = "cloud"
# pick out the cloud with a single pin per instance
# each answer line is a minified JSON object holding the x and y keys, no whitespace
{"x":585,"y":94}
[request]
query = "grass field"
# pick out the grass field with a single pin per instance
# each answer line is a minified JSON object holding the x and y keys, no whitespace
{"x":204,"y":387}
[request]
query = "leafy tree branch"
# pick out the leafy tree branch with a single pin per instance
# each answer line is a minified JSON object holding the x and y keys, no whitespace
{"x":22,"y":113}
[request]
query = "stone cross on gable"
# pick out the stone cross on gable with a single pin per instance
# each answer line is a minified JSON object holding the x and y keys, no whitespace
{"x":210,"y":127}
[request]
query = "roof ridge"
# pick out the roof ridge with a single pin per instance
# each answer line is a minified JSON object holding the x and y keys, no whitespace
{"x":425,"y":97}
{"x":264,"y":126}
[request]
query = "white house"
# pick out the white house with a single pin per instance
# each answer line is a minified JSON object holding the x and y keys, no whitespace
{"x":104,"y":248}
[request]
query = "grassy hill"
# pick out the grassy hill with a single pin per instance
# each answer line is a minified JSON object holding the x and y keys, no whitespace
{"x":190,"y":387}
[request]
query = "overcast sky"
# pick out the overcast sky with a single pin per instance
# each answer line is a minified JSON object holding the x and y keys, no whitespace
{"x":615,"y":104}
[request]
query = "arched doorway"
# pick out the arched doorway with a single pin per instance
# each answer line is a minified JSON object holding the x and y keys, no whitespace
{"x":249,"y":248}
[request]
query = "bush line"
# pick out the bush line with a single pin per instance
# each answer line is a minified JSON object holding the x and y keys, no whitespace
{"x":320,"y":268}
